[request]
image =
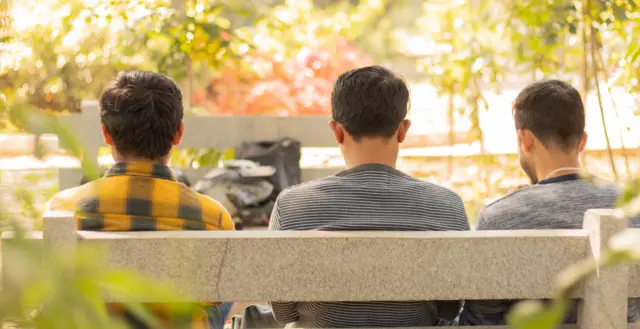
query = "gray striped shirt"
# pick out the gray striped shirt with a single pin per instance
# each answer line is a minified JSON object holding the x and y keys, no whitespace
{"x":368,"y":197}
{"x":557,"y":203}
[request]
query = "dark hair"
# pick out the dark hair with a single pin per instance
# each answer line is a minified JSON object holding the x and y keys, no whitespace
{"x":370,"y":102}
{"x":553,"y":111}
{"x":142,"y":112}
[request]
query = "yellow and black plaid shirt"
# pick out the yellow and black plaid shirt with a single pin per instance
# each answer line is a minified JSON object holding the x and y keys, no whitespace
{"x":140,"y":196}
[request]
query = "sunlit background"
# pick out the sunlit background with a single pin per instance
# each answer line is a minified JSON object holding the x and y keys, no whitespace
{"x":465,"y":61}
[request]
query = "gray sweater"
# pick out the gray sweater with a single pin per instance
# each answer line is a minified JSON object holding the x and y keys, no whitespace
{"x":556,"y":203}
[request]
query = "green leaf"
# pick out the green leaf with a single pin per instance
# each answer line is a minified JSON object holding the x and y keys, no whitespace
{"x":209,"y":158}
{"x":625,"y":247}
{"x":629,"y":200}
{"x":229,"y":154}
{"x":572,"y":276}
{"x":534,"y":315}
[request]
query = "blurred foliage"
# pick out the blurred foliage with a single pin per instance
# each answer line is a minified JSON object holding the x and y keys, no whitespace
{"x":630,"y":199}
{"x":61,"y":52}
{"x":300,"y":85}
{"x":489,"y":40}
{"x":623,"y":249}
{"x":194,"y":158}
{"x":58,"y":53}
{"x":298,"y":54}
{"x":54,"y":289}
{"x":37,"y":122}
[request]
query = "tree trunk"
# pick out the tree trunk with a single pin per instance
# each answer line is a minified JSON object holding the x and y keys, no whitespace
{"x":597,"y":87}
{"x":584,"y":70}
{"x":603,"y":69}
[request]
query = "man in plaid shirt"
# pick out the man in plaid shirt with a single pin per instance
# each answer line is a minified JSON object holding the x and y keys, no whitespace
{"x":141,"y":114}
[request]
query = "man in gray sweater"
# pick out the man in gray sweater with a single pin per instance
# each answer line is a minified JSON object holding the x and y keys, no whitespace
{"x":550,"y":120}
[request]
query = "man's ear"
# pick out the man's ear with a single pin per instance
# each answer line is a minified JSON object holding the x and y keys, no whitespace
{"x":583,"y":142}
{"x":106,"y":136}
{"x":527,"y":139}
{"x":178,"y":137}
{"x":338,"y":131}
{"x":403,"y":129}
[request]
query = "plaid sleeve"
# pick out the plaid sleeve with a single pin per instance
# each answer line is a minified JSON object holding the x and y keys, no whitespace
{"x":215,"y":216}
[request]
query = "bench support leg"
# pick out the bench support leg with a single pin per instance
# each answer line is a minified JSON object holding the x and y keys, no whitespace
{"x":605,"y":295}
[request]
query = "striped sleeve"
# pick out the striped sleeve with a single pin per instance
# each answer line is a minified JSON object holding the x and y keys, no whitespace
{"x":274,"y":222}
{"x":284,"y":312}
{"x":460,"y":214}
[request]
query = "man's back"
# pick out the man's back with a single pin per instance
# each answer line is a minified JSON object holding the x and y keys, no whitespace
{"x":555,"y":203}
{"x":368,"y":197}
{"x":140,"y":196}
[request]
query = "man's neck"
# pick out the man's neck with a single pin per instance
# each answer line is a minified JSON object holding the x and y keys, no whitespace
{"x":354,"y":163}
{"x":120,"y":159}
{"x":558,"y":166}
{"x":365,"y":154}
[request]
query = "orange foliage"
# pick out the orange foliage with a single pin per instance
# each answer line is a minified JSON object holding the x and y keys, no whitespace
{"x":295,"y":86}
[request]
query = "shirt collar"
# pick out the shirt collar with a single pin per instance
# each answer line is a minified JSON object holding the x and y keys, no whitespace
{"x":372,"y":167}
{"x":558,"y":179}
{"x":146,"y":169}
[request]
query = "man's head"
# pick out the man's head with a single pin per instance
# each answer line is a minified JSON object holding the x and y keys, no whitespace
{"x":550,"y":120}
{"x":370,"y":104}
{"x":141,"y":116}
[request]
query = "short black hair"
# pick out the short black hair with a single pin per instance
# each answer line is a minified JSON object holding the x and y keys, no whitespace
{"x":553,"y":111}
{"x":370,"y":102}
{"x":142,"y":112}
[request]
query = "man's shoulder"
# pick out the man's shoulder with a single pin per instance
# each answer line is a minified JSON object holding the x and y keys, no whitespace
{"x":419,"y":187}
{"x":308,"y":187}
{"x":576,"y":188}
{"x":67,"y":200}
{"x":509,"y":199}
{"x":532,"y":201}
{"x":208,"y":203}
{"x":438,"y":189}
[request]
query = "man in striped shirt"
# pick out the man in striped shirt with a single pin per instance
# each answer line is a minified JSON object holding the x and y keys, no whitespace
{"x":369,"y":108}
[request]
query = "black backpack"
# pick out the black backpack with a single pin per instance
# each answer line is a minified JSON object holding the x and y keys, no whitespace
{"x":283,"y":154}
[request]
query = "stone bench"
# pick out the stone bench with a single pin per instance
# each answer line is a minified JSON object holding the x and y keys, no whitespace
{"x":250,"y":266}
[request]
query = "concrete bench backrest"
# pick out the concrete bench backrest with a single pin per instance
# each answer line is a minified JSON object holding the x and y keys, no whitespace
{"x":211,"y":132}
{"x":364,"y":266}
